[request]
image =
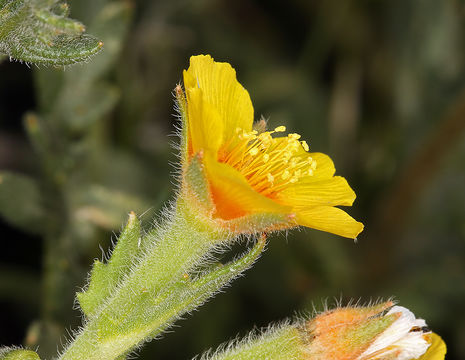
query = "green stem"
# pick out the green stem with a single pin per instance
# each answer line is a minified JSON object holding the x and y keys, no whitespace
{"x":155,"y":293}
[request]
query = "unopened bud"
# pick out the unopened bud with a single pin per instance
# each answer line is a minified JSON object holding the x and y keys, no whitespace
{"x":377,"y":332}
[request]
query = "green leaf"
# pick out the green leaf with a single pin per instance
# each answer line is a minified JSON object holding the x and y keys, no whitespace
{"x":17,"y":354}
{"x":21,"y":202}
{"x":39,"y":32}
{"x":111,"y":24}
{"x":76,"y":97}
{"x":105,"y":277}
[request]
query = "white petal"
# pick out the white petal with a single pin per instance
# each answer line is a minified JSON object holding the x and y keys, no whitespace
{"x":398,"y":335}
{"x":413,"y":345}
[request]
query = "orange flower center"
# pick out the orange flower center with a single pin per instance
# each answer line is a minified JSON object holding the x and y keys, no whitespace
{"x":268,"y":163}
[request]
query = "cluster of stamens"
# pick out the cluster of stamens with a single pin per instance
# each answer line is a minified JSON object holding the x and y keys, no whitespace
{"x":269,"y":163}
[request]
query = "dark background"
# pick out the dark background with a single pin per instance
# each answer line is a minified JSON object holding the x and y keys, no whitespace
{"x":378,"y":85}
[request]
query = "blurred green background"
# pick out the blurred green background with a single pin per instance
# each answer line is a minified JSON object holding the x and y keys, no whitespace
{"x":378,"y":85}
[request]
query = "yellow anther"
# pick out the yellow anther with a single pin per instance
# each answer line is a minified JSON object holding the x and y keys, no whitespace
{"x":294,"y":136}
{"x":265,"y":137}
{"x":295,"y":146}
{"x":305,"y":145}
{"x":249,"y":135}
{"x":271,"y":163}
{"x":253,"y":151}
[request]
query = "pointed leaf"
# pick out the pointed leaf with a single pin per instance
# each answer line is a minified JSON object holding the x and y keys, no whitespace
{"x":105,"y":277}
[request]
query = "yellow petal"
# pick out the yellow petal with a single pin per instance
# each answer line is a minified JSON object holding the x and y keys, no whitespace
{"x":324,"y":167}
{"x":232,"y":194}
{"x":330,"y":219}
{"x":437,"y":349}
{"x":222,"y":91}
{"x":207,"y":130}
{"x":329,"y":192}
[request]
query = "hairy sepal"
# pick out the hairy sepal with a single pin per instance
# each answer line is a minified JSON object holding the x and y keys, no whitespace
{"x":277,"y":342}
{"x":196,"y":184}
{"x":198,"y":193}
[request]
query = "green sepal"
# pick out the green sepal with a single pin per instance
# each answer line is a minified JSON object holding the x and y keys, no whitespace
{"x":21,"y":202}
{"x":39,"y":32}
{"x":278,"y":342}
{"x":105,"y":277}
{"x":181,"y":107}
{"x":198,"y":192}
{"x":17,"y":354}
{"x":362,"y":336}
{"x":197,"y":183}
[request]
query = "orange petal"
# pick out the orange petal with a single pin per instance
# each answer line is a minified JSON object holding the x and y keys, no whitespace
{"x":330,"y":219}
{"x":329,"y":192}
{"x":222,"y":91}
{"x":232,"y":194}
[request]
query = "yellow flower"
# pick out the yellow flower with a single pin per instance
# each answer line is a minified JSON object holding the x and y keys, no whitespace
{"x":257,"y":172}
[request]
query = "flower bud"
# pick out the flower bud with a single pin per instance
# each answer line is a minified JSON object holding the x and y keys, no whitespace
{"x":380,"y":332}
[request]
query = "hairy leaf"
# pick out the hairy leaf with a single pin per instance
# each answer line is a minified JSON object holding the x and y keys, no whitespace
{"x":105,"y":277}
{"x":40,"y":32}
